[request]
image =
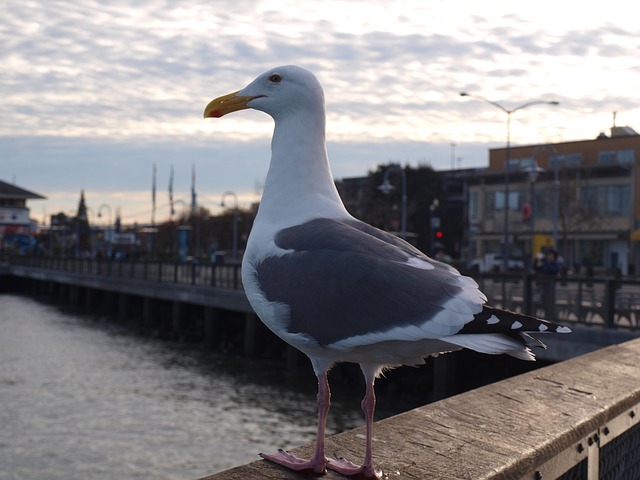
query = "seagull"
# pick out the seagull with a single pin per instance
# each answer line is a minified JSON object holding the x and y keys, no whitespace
{"x":340,"y":290}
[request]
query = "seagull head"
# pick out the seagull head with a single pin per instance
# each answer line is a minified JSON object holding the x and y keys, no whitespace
{"x":275,"y":92}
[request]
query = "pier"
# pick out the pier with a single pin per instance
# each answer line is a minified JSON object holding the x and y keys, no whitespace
{"x":175,"y":299}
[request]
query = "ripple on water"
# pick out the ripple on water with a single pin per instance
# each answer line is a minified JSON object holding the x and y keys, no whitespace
{"x":82,"y":398}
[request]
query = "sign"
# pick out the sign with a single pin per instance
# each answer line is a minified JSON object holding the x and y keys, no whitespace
{"x":123,"y":239}
{"x":14,"y":216}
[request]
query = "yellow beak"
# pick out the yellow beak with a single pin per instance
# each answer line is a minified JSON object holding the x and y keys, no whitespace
{"x":226,"y":104}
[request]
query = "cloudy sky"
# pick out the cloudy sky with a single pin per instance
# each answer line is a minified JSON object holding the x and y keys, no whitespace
{"x":94,"y":92}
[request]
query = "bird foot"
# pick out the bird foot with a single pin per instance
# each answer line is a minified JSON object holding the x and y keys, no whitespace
{"x":286,"y":459}
{"x":345,"y":467}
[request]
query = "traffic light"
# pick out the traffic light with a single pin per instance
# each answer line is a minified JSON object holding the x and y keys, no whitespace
{"x":439,"y":234}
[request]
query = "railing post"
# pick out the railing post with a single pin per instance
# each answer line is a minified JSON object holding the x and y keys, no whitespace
{"x":609,"y":302}
{"x":235,"y":276}
{"x":548,"y":283}
{"x":527,"y":288}
{"x":579,"y":300}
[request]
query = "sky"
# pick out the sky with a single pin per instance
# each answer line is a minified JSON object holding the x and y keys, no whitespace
{"x":94,"y":93}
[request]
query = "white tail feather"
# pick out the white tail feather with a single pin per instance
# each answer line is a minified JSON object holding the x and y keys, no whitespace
{"x":493,"y":344}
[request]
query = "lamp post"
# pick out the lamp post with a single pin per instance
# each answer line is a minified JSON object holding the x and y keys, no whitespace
{"x":533,"y":171}
{"x":234,"y":250}
{"x":104,"y":205}
{"x":183,"y":231}
{"x":386,"y":187}
{"x":434,"y":222}
{"x":508,"y":111}
{"x":556,"y":185}
{"x":108,"y":230}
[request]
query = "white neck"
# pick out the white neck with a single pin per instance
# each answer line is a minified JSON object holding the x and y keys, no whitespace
{"x":299,"y":185}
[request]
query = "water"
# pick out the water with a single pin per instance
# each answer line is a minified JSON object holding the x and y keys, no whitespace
{"x":82,"y":398}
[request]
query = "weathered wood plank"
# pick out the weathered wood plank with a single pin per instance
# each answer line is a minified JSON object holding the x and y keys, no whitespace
{"x":501,"y":431}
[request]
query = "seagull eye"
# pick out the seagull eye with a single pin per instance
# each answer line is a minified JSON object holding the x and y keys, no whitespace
{"x":275,"y":78}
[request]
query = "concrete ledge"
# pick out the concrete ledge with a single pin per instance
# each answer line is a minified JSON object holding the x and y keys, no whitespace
{"x":533,"y":426}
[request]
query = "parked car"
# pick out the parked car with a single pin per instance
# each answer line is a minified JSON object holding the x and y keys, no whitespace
{"x":494,"y":262}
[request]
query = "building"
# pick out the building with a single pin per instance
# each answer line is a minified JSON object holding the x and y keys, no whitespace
{"x":583,"y":199}
{"x":15,"y":224}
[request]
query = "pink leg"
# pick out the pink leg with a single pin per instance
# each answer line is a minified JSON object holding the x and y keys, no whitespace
{"x":346,"y":467}
{"x":368,"y":407}
{"x":319,"y":462}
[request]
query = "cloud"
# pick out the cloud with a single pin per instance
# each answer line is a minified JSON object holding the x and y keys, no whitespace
{"x":95,"y":88}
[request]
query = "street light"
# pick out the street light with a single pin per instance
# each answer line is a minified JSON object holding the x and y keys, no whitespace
{"x":386,"y":188}
{"x":434,"y":222}
{"x":507,"y":159}
{"x":234,"y":250}
{"x":104,"y":205}
{"x":184,"y":211}
{"x":533,"y":171}
{"x":183,"y":231}
{"x":556,"y":186}
{"x":108,"y":231}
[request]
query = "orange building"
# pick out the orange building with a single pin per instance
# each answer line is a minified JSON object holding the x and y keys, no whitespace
{"x":581,"y":196}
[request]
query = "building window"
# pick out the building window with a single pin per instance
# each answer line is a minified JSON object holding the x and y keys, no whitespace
{"x":626,"y":157}
{"x":543,"y":204}
{"x":568,"y":160}
{"x":607,"y":158}
{"x":489,"y":204}
{"x":608,"y":199}
{"x":623,"y":157}
{"x":473,"y":206}
{"x":518,"y":164}
{"x":12,"y":202}
{"x":593,"y":253}
{"x":514,"y":200}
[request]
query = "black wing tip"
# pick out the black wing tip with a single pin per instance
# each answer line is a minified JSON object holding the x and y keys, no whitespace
{"x":497,"y":320}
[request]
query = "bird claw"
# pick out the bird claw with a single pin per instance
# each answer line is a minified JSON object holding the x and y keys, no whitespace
{"x":341,"y":465}
{"x":292,"y":462}
{"x":348,"y":468}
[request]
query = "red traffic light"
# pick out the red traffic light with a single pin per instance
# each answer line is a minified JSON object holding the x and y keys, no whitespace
{"x":438,"y":234}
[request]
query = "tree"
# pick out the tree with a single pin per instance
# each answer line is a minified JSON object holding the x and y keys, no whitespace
{"x":576,"y":214}
{"x":384,"y":210}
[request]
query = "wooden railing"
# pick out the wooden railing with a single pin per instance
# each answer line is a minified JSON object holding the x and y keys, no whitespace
{"x":607,"y":301}
{"x":578,"y":419}
{"x":202,"y":275}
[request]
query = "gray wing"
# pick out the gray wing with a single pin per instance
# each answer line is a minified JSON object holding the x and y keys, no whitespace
{"x":362,"y":280}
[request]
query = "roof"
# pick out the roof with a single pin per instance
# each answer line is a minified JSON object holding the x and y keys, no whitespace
{"x":8,"y":190}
